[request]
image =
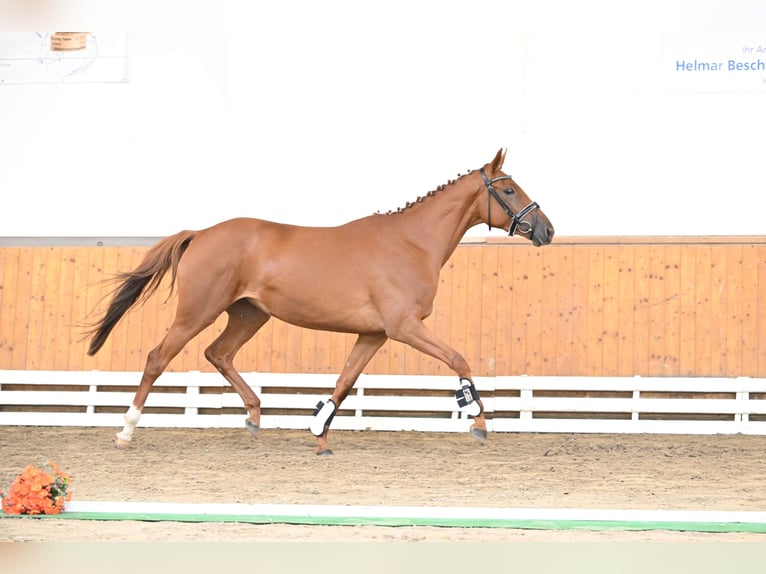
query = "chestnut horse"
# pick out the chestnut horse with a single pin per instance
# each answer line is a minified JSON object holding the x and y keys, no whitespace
{"x":375,"y":277}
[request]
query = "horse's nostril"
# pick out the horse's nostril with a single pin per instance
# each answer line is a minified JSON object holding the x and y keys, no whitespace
{"x":549,"y":231}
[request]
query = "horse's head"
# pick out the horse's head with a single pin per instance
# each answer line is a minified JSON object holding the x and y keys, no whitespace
{"x":513,"y":210}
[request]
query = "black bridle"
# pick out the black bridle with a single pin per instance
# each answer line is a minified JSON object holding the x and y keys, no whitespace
{"x":517,"y":219}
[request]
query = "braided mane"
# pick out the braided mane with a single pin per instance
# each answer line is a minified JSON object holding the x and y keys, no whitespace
{"x":422,"y":198}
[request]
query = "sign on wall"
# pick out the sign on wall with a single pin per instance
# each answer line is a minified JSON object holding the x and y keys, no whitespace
{"x":713,"y":64}
{"x":62,"y":57}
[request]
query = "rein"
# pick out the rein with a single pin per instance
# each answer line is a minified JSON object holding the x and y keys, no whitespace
{"x":517,"y":219}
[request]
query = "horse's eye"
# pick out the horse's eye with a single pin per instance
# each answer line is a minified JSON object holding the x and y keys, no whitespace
{"x":509,"y":191}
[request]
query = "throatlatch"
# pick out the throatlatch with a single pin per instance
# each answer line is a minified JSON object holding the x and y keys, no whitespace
{"x":323,"y":415}
{"x":468,"y":398}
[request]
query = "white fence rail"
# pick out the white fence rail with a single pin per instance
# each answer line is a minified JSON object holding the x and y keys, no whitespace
{"x":383,"y":402}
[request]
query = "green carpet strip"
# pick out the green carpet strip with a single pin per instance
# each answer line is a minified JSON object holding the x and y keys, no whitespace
{"x":455,"y":517}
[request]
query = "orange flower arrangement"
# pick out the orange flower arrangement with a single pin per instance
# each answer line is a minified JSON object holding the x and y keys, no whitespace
{"x":38,"y":492}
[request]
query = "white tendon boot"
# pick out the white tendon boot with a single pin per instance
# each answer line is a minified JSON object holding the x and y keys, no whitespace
{"x":468,"y":398}
{"x":322,"y":417}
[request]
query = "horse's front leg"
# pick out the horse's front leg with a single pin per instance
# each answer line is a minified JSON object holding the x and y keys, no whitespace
{"x":364,"y":349}
{"x":415,"y":334}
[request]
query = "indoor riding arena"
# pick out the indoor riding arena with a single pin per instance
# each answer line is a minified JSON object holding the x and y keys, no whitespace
{"x":620,"y":374}
{"x":420,"y":282}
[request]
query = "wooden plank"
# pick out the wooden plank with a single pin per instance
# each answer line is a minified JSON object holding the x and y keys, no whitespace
{"x":719,"y":295}
{"x":686,"y":309}
{"x":489,"y":293}
{"x":549,"y":311}
{"x":761,"y":312}
{"x":595,"y":316}
{"x":672,"y":310}
{"x":704,"y":311}
{"x":476,"y":314}
{"x":610,"y":311}
{"x":67,"y":323}
{"x":519,"y":334}
{"x":580,"y":310}
{"x":504,"y":341}
{"x":626,"y":305}
{"x":749,"y":297}
{"x":52,"y":331}
{"x":20,"y":358}
{"x":80,"y":310}
{"x":641,"y":303}
{"x":562,"y":302}
{"x":733,"y":311}
{"x":9,"y":269}
{"x":533,"y":310}
{"x":656,"y":311}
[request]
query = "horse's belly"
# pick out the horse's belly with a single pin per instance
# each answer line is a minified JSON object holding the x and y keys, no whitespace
{"x":325,"y":314}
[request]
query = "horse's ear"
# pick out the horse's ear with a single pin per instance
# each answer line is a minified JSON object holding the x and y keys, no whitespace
{"x":497,"y":163}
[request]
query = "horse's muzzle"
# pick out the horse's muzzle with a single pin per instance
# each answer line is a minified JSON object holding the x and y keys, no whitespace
{"x":542,"y":235}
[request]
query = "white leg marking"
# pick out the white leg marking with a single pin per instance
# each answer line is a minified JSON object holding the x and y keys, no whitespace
{"x":131,"y":420}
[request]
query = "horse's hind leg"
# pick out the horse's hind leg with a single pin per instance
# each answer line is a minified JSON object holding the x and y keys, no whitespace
{"x":180,"y":333}
{"x":244,"y":321}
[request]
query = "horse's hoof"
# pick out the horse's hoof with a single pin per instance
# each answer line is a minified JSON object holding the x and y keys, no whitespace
{"x":252,"y":428}
{"x":324,"y":452}
{"x":121,"y":443}
{"x":479,"y":434}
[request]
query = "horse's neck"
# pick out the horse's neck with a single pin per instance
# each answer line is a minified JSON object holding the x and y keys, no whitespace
{"x":438,"y":223}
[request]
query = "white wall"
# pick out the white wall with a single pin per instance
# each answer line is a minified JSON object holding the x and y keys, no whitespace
{"x":320,"y":112}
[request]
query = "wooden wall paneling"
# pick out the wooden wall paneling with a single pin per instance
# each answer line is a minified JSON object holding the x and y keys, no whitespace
{"x":580,"y":307}
{"x":294,"y":341}
{"x":519,"y":328}
{"x":488,"y":312}
{"x":9,"y":269}
{"x":641,"y":304}
{"x":760,"y":366}
{"x":561,"y":303}
{"x":322,"y":352}
{"x":260,"y":347}
{"x":719,"y":294}
{"x":36,"y":307}
{"x":671,"y":304}
{"x":548,"y":312}
{"x":656,"y":309}
{"x":53,"y":329}
{"x":626,"y":305}
{"x":704,"y":311}
{"x":610,"y":310}
{"x":749,"y":310}
{"x":477,"y":314}
{"x":734,"y":305}
{"x":533,"y":312}
{"x":595,"y":311}
{"x":687,"y":336}
{"x":21,"y":309}
{"x":504,"y":336}
{"x":81,"y":313}
{"x":666,"y":307}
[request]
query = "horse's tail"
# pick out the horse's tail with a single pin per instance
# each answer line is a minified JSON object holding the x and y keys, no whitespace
{"x":138,"y":285}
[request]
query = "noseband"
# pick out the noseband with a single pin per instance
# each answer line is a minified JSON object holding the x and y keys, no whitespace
{"x":517,"y":219}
